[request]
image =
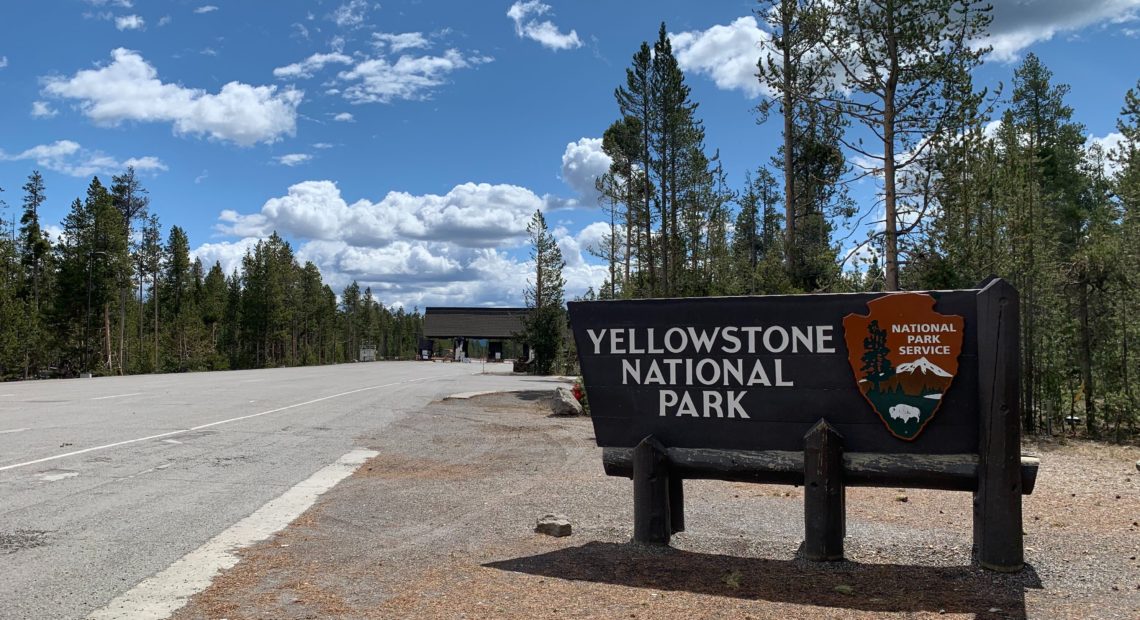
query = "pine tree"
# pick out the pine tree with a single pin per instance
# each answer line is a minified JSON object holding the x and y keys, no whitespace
{"x":35,"y":260}
{"x":635,"y":101}
{"x":151,"y":259}
{"x":175,"y":291}
{"x":900,"y":59}
{"x":1051,"y":218}
{"x":793,"y":67}
{"x":131,"y":201}
{"x":34,"y":246}
{"x":545,"y":325}
{"x":876,"y":365}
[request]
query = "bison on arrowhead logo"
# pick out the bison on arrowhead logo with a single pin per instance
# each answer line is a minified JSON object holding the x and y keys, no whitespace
{"x":904,"y":355}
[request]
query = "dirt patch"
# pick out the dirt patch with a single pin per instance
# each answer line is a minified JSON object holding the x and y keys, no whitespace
{"x":440,"y":526}
{"x":410,"y":468}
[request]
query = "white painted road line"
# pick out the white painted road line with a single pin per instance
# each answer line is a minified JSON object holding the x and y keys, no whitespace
{"x":163,"y":594}
{"x":15,"y":430}
{"x":57,"y":476}
{"x":117,"y":396}
{"x":202,"y":426}
{"x":467,"y":395}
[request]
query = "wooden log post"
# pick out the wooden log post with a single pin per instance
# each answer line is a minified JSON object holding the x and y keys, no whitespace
{"x":676,"y":500}
{"x":998,"y":543}
{"x":652,"y":510}
{"x":825,"y":518}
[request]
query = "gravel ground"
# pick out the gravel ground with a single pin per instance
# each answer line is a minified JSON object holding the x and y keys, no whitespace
{"x":440,"y":525}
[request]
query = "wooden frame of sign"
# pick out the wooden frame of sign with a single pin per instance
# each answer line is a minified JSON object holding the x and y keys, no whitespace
{"x":829,"y":391}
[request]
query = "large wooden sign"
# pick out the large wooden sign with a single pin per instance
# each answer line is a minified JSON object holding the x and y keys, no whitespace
{"x":899,"y":389}
{"x":755,"y":373}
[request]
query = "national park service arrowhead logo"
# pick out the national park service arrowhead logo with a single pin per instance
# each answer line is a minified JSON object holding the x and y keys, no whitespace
{"x":905,"y":355}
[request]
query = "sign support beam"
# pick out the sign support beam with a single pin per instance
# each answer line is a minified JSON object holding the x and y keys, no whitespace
{"x":825,"y":518}
{"x":998,"y":543}
{"x":652,"y":509}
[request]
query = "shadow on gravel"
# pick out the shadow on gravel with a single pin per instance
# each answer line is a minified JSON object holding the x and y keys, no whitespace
{"x":533,"y":395}
{"x":849,"y":585}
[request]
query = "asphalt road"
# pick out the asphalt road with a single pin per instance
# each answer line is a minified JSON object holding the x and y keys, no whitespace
{"x":105,"y":482}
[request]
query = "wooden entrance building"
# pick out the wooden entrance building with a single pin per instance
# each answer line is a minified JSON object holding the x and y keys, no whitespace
{"x":461,"y":325}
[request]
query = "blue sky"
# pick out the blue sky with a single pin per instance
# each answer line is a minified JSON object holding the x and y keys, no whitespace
{"x":405,"y":144}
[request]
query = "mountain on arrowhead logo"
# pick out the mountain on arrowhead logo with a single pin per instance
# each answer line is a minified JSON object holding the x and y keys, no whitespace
{"x":904,"y":356}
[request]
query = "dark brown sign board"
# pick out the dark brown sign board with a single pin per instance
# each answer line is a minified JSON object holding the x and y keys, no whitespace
{"x":756,"y":373}
{"x":901,"y":387}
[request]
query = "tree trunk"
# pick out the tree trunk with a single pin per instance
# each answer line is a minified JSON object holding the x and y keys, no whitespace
{"x":154,"y":293}
{"x":629,"y":220}
{"x":1086,"y":355}
{"x":789,"y":130}
{"x":891,"y":250}
{"x":141,"y":352}
{"x":107,"y":336}
{"x":646,"y":163}
{"x":122,"y":328}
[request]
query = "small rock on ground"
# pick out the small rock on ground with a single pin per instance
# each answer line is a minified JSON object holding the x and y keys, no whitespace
{"x":553,"y":525}
{"x":564,"y":403}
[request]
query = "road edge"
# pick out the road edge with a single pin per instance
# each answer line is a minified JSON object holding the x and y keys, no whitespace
{"x":166,"y":592}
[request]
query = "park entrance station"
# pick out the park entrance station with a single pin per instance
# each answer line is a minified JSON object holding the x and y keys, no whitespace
{"x":461,"y":325}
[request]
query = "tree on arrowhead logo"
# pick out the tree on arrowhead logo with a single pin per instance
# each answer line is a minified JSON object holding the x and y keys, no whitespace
{"x":905,"y":356}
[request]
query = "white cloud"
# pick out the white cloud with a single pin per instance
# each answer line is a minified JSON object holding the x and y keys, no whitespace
{"x":399,"y":42}
{"x":344,"y":117}
{"x":1017,"y":24}
{"x":350,"y":14}
{"x":228,"y":253}
{"x":416,"y":273}
{"x":412,"y":250}
{"x":3,"y":62}
{"x":727,"y":54}
{"x":55,"y":233}
{"x":384,"y":78}
{"x":164,"y":21}
{"x":294,"y":159}
{"x":70,"y":158}
{"x":525,"y":15}
{"x":208,"y":8}
{"x":470,"y":215}
{"x":465,"y":247}
{"x":379,"y":80}
{"x":149,"y":163}
{"x":593,"y":235}
{"x":129,"y":89}
{"x":306,"y":68}
{"x":582,"y":163}
{"x":323,"y":145}
{"x":130,"y":22}
{"x":1109,"y":144}
{"x":42,"y":109}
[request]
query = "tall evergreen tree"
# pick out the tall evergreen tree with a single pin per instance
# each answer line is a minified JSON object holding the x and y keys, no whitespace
{"x":545,"y":325}
{"x":899,"y":59}
{"x":35,"y":257}
{"x":793,"y":67}
{"x":131,"y":201}
{"x":635,"y":100}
